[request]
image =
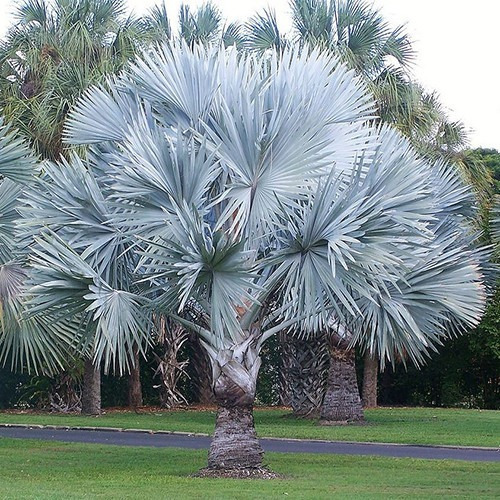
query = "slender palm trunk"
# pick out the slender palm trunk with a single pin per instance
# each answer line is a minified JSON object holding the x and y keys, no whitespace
{"x":370,"y":374}
{"x":235,"y":444}
{"x":134,"y":381}
{"x":91,"y":393}
{"x":342,"y":402}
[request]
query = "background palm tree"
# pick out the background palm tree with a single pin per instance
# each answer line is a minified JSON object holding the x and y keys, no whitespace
{"x":53,"y":53}
{"x":204,"y":25}
{"x":48,"y":345}
{"x":357,"y":34}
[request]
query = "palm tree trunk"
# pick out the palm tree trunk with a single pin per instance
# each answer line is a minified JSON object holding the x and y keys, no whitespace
{"x":235,"y":444}
{"x":91,"y":393}
{"x":134,"y":381}
{"x":370,"y":374}
{"x":342,"y":402}
{"x":305,"y":370}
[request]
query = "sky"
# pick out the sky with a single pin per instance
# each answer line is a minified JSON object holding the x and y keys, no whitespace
{"x":457,"y":45}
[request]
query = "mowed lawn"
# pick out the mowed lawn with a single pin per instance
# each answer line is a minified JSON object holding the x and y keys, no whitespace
{"x":48,"y":470}
{"x":390,"y":425}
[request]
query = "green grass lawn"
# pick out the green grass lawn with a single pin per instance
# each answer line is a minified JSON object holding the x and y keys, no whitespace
{"x":38,"y":469}
{"x":391,"y":425}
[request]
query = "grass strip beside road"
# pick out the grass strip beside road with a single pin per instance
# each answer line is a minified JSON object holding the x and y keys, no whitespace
{"x":37,"y":469}
{"x":433,"y":426}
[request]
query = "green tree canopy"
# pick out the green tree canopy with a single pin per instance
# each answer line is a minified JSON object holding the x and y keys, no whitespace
{"x":55,"y":50}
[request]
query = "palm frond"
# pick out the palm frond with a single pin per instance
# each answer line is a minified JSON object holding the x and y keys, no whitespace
{"x":440,"y":293}
{"x":69,"y":200}
{"x":184,"y":81}
{"x":262,"y":32}
{"x":9,"y":196}
{"x":16,"y":161}
{"x":233,"y":35}
{"x":120,"y":324}
{"x":285,"y":136}
{"x":159,"y":23}
{"x":65,"y":287}
{"x":341,"y":233}
{"x":495,"y":223}
{"x":312,"y":21}
{"x":99,"y":116}
{"x":201,"y":27}
{"x":156,"y":172}
{"x":197,"y":263}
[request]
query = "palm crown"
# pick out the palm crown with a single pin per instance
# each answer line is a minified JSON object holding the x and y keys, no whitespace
{"x":55,"y":50}
{"x":241,"y":195}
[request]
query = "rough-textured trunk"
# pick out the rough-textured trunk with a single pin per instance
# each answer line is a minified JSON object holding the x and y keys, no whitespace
{"x":235,"y":444}
{"x":342,"y":402}
{"x":91,"y":392}
{"x":370,"y":374}
{"x":134,"y":381}
{"x":305,"y":371}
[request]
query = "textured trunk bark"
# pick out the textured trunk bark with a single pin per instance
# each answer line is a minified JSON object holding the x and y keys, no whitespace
{"x":370,"y":374}
{"x":205,"y":392}
{"x":342,"y":402}
{"x":235,"y":444}
{"x":65,"y":395}
{"x":91,"y":393}
{"x":307,"y":372}
{"x":134,"y":381}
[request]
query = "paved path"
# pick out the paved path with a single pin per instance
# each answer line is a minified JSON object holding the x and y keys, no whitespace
{"x":131,"y":438}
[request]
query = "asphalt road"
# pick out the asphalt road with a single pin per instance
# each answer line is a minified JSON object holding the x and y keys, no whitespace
{"x":129,"y":438}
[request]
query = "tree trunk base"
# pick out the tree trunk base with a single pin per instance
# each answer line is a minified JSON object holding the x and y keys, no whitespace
{"x":235,"y":450}
{"x":235,"y":444}
{"x":342,"y":402}
{"x":251,"y":473}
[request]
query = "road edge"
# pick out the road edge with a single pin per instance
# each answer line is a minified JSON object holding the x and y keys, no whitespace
{"x":202,"y":434}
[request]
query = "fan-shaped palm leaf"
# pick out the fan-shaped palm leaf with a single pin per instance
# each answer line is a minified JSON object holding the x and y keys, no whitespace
{"x":262,"y":32}
{"x":16,"y":161}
